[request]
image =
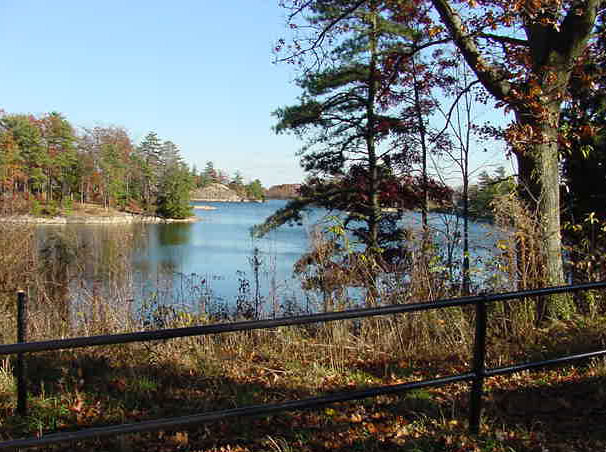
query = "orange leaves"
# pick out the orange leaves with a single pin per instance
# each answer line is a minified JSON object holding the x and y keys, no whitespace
{"x":177,"y":439}
{"x":519,"y":136}
{"x":542,"y":10}
{"x":84,"y":411}
{"x":534,"y":89}
{"x":587,"y":132}
{"x":77,"y":406}
{"x":355,"y":418}
{"x":435,"y":30}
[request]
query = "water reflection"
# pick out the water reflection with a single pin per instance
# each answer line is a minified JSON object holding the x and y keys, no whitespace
{"x":196,"y":264}
{"x":84,"y":275}
{"x":218,"y":254}
{"x":174,"y":234}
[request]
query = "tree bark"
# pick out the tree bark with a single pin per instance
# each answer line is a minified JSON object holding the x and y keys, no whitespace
{"x":540,"y":188}
{"x":373,"y":191}
{"x":373,"y":170}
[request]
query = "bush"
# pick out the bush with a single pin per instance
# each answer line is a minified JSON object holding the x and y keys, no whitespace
{"x":68,"y":206}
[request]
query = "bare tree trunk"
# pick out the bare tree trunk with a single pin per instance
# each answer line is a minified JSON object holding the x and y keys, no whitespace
{"x":373,"y":170}
{"x":373,"y":195}
{"x":540,"y":188}
{"x":423,"y":138}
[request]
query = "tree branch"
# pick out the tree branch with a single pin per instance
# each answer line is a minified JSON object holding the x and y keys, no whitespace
{"x":322,"y":35}
{"x":490,"y":76}
{"x":576,"y":28}
{"x":504,"y":39}
{"x":410,"y":52}
{"x":452,"y":107}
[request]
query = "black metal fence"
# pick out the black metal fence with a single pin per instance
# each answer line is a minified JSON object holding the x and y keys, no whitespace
{"x":477,"y":373}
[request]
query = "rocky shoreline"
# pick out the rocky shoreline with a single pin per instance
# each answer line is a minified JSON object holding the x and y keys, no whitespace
{"x":112,"y":217}
{"x":232,"y":201}
{"x":125,"y":218}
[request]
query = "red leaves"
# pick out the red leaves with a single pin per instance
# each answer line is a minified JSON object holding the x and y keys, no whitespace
{"x":404,"y":192}
{"x":118,"y":384}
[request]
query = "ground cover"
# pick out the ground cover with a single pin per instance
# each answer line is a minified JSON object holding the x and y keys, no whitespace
{"x":555,"y":410}
{"x":559,"y":409}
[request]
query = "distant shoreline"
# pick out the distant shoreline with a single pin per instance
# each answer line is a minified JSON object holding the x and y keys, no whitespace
{"x":125,"y":218}
{"x":113,"y":216}
{"x":229,"y":201}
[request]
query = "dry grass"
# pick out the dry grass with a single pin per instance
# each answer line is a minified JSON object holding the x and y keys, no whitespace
{"x":177,"y":377}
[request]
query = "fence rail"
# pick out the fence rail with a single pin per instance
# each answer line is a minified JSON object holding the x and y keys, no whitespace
{"x":476,"y":375}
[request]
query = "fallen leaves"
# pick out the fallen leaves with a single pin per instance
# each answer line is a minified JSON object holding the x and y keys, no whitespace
{"x":426,"y":419}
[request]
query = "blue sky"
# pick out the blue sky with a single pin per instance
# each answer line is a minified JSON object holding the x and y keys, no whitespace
{"x":197,"y":72}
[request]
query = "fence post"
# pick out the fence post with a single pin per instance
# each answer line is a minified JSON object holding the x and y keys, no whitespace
{"x":479,"y":367}
{"x":21,"y":367}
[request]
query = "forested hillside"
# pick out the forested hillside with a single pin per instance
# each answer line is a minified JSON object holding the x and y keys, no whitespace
{"x":46,"y":164}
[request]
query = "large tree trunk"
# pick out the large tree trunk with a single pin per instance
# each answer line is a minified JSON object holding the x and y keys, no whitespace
{"x":540,"y":188}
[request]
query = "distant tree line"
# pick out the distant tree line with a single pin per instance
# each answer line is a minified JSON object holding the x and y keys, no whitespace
{"x":46,"y":164}
{"x":487,"y":190}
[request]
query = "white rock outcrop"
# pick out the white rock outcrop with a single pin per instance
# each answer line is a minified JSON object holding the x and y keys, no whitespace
{"x":216,"y":193}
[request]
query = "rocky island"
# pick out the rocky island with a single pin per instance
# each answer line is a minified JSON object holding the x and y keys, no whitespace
{"x":217,"y":192}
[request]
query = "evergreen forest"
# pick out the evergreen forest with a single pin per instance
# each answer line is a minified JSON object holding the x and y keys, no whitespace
{"x":47,"y":167}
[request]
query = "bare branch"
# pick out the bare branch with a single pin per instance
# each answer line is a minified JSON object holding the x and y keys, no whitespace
{"x":490,"y":76}
{"x":504,"y":39}
{"x":322,"y":35}
{"x":452,"y":107}
{"x":412,"y":51}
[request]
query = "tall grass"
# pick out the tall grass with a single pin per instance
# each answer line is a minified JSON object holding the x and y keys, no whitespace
{"x":70,"y":296}
{"x":17,"y":272}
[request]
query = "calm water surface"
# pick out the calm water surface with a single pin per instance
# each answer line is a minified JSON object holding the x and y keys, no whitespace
{"x":220,"y":250}
{"x":213,"y":259}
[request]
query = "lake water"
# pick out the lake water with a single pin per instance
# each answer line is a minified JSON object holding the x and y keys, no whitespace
{"x":214,"y":259}
{"x":218,"y":254}
{"x":220,"y":251}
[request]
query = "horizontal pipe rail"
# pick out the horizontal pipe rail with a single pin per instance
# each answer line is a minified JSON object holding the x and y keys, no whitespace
{"x":476,"y":375}
{"x":143,"y":336}
{"x":254,"y":410}
{"x":538,"y":364}
{"x":220,"y":328}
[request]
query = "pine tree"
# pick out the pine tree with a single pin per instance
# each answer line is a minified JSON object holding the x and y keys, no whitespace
{"x":209,"y":175}
{"x":174,"y":194}
{"x":60,"y":141}
{"x":352,"y":152}
{"x":150,"y":155}
{"x":255,"y":190}
{"x":175,"y":183}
